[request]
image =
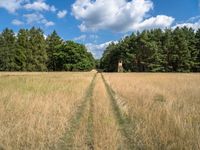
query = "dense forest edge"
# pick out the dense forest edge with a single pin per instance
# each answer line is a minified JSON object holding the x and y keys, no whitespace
{"x":29,"y":50}
{"x":169,"y":50}
{"x":155,"y":50}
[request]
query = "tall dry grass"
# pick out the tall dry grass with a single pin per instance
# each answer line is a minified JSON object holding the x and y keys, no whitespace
{"x":164,"y":108}
{"x":98,"y":127}
{"x":106,"y":130}
{"x":35,"y":108}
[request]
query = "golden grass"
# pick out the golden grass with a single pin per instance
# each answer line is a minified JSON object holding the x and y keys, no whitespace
{"x":80,"y":137}
{"x":35,"y":108}
{"x":98,"y":128}
{"x":164,"y":108}
{"x":106,"y":130}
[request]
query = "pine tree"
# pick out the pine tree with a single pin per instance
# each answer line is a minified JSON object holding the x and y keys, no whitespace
{"x":23,"y":53}
{"x":7,"y":50}
{"x":191,"y":39}
{"x":38,"y":50}
{"x":156,"y":50}
{"x":156,"y":58}
{"x":197,"y":66}
{"x":167,"y":46}
{"x":53,"y":42}
{"x":180,"y":54}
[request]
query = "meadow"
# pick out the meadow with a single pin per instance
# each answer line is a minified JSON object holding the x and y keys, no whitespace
{"x":164,"y":109}
{"x":35,"y":108}
{"x":99,"y":111}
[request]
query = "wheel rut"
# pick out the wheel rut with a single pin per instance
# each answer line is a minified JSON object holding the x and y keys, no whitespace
{"x":124,"y":122}
{"x":105,"y":128}
{"x":98,"y":122}
{"x":83,"y":115}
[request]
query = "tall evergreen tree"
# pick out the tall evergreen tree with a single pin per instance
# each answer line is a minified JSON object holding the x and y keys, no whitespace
{"x":155,"y":51}
{"x":53,"y":42}
{"x":180,"y":54}
{"x":23,"y":52}
{"x":38,"y":57}
{"x":167,"y":46}
{"x":7,"y":50}
{"x":156,"y":58}
{"x":197,"y":66}
{"x":193,"y":52}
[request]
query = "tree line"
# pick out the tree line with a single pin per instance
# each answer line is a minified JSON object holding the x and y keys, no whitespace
{"x":155,"y":50}
{"x":29,"y":50}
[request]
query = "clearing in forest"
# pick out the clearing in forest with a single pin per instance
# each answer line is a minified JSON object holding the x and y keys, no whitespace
{"x":99,"y":111}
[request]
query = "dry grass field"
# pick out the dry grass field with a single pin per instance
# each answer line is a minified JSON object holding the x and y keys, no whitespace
{"x":99,"y":111}
{"x":35,"y":108}
{"x":164,"y":108}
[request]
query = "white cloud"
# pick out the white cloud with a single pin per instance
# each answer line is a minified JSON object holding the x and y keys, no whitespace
{"x":12,"y":5}
{"x":33,"y":18}
{"x":195,"y":25}
{"x":62,"y":14}
{"x":80,"y":38}
{"x":17,"y":22}
{"x":39,"y":5}
{"x":193,"y":22}
{"x":160,"y":21}
{"x":37,"y":18}
{"x":117,"y":15}
{"x":98,"y":49}
{"x":193,"y":19}
{"x":47,"y":23}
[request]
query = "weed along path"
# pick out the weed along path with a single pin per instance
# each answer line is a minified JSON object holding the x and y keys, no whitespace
{"x":77,"y":135}
{"x":125,"y":124}
{"x":105,"y":128}
{"x":98,"y":123}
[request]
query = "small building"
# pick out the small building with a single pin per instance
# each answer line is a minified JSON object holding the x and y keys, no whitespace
{"x":120,"y":66}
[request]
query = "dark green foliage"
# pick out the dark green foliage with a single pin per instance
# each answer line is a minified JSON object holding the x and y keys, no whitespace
{"x":73,"y":57}
{"x":53,"y":42}
{"x":29,"y":51}
{"x":197,"y":62}
{"x":175,"y":50}
{"x":7,"y":50}
{"x":37,"y":55}
{"x":23,"y":50}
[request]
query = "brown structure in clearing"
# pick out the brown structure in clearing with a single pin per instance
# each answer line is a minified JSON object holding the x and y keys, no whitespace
{"x":120,"y":66}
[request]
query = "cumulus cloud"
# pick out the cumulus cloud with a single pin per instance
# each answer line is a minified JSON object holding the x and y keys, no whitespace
{"x":193,"y":22}
{"x":17,"y":22}
{"x":98,"y":49}
{"x":160,"y":21}
{"x":39,"y":5}
{"x":62,"y":14}
{"x":195,"y":25}
{"x":12,"y":5}
{"x":37,"y":18}
{"x":117,"y":15}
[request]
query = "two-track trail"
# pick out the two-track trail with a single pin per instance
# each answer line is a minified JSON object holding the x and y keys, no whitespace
{"x":98,"y":123}
{"x":106,"y":131}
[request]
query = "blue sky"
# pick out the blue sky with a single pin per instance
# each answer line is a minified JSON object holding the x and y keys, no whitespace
{"x":96,"y":23}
